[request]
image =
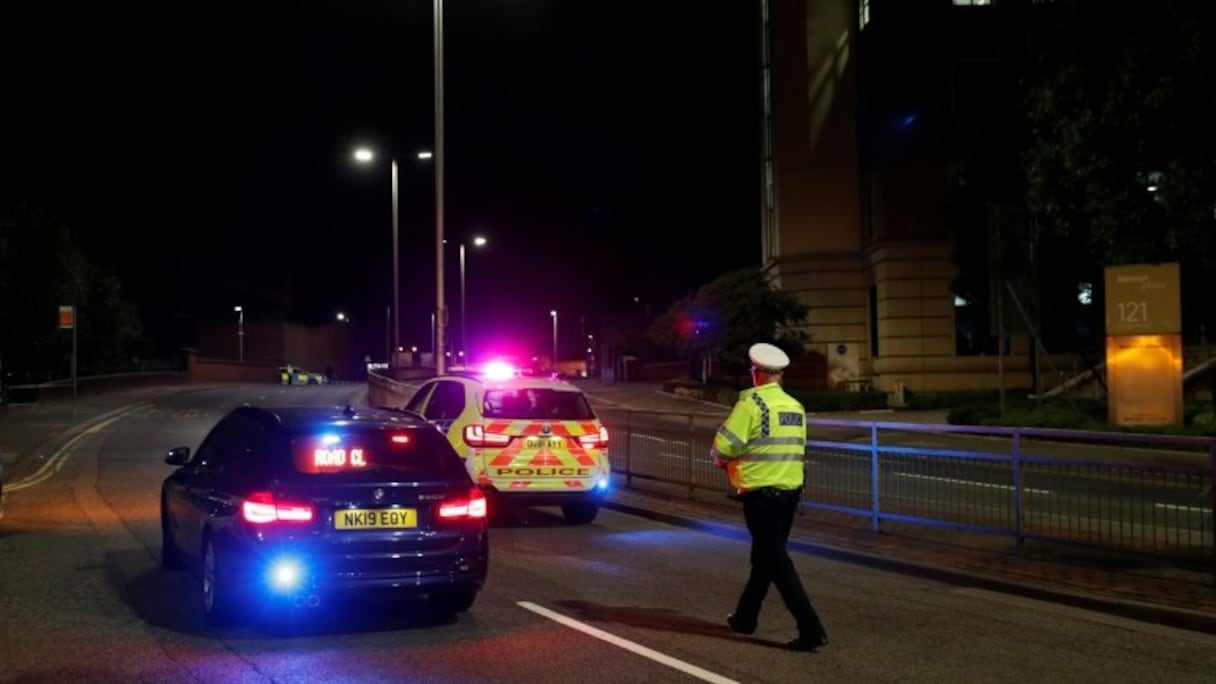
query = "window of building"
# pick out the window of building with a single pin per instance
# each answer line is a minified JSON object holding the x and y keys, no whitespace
{"x":1085,"y":293}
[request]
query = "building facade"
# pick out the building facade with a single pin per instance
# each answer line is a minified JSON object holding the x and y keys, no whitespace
{"x":888,"y":130}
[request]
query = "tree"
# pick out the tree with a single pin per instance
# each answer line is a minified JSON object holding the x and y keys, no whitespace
{"x":41,"y":268}
{"x":1122,"y":153}
{"x":728,"y":315}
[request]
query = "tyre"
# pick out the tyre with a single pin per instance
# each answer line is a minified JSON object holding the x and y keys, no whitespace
{"x":453,"y":601}
{"x":580,"y":513}
{"x":170,"y":556}
{"x":220,"y":600}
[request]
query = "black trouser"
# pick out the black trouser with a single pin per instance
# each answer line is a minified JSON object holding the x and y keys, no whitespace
{"x":769,"y":514}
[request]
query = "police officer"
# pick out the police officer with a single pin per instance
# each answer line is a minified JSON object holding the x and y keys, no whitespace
{"x":761,"y":446}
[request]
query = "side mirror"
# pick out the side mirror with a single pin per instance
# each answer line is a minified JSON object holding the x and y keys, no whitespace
{"x":178,"y":456}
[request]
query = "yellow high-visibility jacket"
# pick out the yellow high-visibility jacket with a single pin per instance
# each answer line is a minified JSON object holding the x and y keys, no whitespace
{"x":763,"y":440}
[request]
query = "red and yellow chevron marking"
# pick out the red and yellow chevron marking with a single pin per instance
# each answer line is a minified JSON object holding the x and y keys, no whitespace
{"x":545,"y":457}
{"x":517,"y":468}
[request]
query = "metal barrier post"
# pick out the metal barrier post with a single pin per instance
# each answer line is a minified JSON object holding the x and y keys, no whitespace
{"x":628,"y":448}
{"x":1019,"y":540}
{"x":1212,"y":502}
{"x":691,"y":433}
{"x":874,"y":510}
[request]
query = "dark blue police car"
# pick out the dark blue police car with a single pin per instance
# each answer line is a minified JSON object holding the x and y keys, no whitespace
{"x":296,"y":505}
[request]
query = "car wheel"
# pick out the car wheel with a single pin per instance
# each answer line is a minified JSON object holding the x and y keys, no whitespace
{"x":219,"y":597}
{"x":453,"y":601}
{"x":170,"y":557}
{"x":580,"y":513}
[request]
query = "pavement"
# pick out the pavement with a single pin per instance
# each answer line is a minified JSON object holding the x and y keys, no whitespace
{"x":1148,"y":589}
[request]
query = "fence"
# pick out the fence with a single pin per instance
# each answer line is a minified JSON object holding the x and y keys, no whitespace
{"x":1137,"y":493}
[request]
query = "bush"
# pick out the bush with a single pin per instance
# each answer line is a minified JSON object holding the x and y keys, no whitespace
{"x":922,"y":401}
{"x":813,"y":401}
{"x":1076,"y":414}
{"x":827,"y":400}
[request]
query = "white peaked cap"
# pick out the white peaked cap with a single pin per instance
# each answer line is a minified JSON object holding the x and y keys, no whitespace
{"x":768,"y":357}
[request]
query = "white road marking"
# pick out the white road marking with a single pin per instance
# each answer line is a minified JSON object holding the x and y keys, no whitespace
{"x":973,"y":483}
{"x":57,"y":459}
{"x":674,"y":663}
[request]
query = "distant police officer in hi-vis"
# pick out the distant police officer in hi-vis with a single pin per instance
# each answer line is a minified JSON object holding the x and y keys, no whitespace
{"x":761,"y":446}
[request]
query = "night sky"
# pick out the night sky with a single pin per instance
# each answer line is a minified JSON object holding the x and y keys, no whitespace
{"x":607,"y":150}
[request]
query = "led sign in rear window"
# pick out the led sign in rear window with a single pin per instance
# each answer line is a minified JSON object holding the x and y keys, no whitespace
{"x":407,"y":453}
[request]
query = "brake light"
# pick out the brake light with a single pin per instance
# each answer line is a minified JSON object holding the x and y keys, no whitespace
{"x":261,"y":508}
{"x":472,"y":507}
{"x":476,"y":436}
{"x":595,"y":441}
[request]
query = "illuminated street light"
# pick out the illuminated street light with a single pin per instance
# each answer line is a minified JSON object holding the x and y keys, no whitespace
{"x":440,"y":308}
{"x":553,"y":313}
{"x":478,"y":241}
{"x":364,"y":155}
{"x":240,"y":332}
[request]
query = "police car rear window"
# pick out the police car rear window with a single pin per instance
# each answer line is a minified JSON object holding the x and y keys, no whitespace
{"x":536,"y":403}
{"x":357,"y":455}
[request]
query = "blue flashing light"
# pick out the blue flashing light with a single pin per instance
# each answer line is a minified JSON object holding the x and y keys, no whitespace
{"x":286,"y":575}
{"x":602,"y":485}
{"x":330,"y":438}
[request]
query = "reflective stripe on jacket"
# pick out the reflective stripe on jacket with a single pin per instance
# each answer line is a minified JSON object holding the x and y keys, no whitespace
{"x":763,"y":439}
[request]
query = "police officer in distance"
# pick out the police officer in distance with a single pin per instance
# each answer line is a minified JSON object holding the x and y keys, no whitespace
{"x":761,"y":446}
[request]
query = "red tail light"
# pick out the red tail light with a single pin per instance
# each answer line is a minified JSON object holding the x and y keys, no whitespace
{"x":261,"y":508}
{"x":476,"y":436}
{"x":473,"y":506}
{"x":596,"y":441}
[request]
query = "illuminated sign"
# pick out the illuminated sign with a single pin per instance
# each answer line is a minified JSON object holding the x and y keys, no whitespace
{"x":67,"y":317}
{"x":1144,"y":379}
{"x":329,"y":459}
{"x":1143,"y":299}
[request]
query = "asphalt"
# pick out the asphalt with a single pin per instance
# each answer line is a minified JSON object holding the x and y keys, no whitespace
{"x":1139,"y":588}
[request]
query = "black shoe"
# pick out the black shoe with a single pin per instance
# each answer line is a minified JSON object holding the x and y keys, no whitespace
{"x":737,"y":625}
{"x":803,"y":643}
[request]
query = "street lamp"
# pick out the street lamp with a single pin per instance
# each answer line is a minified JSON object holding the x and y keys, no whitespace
{"x":439,"y":300}
{"x":240,"y":332}
{"x":553,"y":313}
{"x":478,"y":241}
{"x":364,"y":155}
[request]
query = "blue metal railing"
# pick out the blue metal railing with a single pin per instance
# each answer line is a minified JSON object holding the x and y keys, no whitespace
{"x":1138,"y":493}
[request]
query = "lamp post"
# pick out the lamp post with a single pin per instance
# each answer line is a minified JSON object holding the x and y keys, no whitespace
{"x":478,"y":241}
{"x":240,"y":332}
{"x":441,"y":311}
{"x":553,"y":364}
{"x":364,"y":155}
